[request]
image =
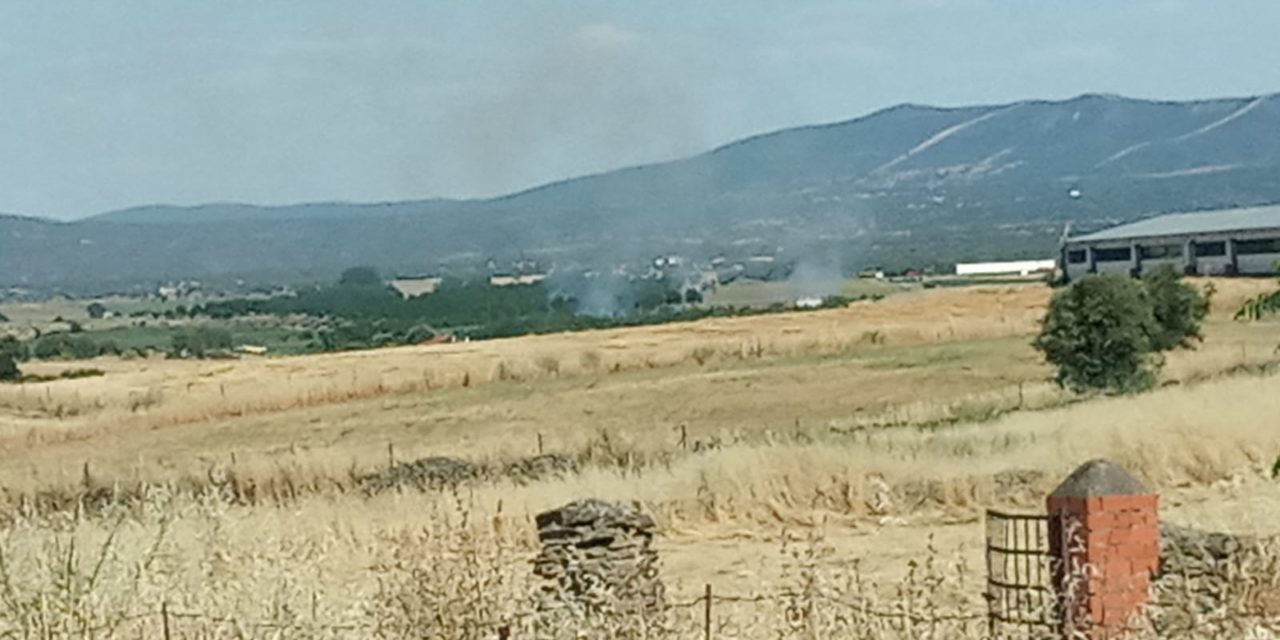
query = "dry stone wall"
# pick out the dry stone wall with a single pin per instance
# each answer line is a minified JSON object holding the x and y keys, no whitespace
{"x":598,"y":557}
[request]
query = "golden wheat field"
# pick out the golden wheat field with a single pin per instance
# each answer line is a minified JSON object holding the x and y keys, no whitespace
{"x":795,"y":462}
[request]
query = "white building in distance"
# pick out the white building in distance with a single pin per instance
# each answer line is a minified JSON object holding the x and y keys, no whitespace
{"x":1017,"y":267}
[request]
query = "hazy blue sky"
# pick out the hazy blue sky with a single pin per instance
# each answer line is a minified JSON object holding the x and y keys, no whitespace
{"x":108,"y":104}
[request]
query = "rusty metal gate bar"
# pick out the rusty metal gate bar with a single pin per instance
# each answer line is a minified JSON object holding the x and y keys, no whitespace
{"x":1019,"y":573}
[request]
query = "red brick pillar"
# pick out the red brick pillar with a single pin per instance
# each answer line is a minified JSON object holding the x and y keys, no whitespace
{"x":1104,"y":534}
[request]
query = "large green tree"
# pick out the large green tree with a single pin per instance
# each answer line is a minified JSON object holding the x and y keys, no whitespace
{"x":1106,"y":332}
{"x":1098,"y":333}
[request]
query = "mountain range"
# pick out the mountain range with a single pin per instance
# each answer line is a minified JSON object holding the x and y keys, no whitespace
{"x":906,"y":186}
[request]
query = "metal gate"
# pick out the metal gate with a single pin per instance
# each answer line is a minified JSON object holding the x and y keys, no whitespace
{"x":1019,"y":574}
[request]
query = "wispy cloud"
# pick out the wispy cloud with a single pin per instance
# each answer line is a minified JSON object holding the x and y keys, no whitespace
{"x":605,"y":37}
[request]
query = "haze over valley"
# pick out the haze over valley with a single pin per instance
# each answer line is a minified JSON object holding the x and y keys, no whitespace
{"x":908,"y":187}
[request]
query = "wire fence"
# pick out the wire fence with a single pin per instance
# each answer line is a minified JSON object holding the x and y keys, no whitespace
{"x":926,"y":620}
{"x":171,"y":620}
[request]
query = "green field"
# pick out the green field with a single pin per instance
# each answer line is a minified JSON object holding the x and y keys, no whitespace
{"x":146,"y":333}
{"x":276,"y":337}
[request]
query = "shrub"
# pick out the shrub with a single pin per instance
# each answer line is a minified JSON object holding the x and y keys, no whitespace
{"x":11,"y":352}
{"x":15,"y":349}
{"x":109,"y":347}
{"x":1178,"y":309}
{"x":96,"y":310}
{"x":9,"y":369}
{"x":64,"y":346}
{"x":1256,"y":308}
{"x":200,"y":342}
{"x":1098,"y":332}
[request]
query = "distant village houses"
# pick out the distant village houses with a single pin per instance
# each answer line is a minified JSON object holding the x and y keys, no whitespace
{"x":507,"y":280}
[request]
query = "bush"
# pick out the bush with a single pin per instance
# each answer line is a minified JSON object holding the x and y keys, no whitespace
{"x":64,"y":346}
{"x":109,"y":347}
{"x":1098,"y":332}
{"x":11,"y":353}
{"x":9,"y":368}
{"x":1259,"y":307}
{"x":11,"y":346}
{"x":200,"y":342}
{"x":1178,"y":309}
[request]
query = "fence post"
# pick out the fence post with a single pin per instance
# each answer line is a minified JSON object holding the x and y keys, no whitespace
{"x":164,"y":617}
{"x":706,"y":612}
{"x":1104,"y":534}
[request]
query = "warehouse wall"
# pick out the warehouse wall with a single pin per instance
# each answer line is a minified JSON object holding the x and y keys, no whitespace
{"x":1257,"y":264}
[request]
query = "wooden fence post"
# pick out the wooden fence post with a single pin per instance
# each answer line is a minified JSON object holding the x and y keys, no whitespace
{"x":706,"y":613}
{"x":164,"y":617}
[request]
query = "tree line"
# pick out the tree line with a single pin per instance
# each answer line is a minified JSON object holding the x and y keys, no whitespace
{"x":361,"y":311}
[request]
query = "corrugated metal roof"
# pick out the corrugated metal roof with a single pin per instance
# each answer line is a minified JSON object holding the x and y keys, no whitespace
{"x":1178,"y":224}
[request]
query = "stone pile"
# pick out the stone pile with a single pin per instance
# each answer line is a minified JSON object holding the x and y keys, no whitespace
{"x":426,"y":474}
{"x":598,"y":557}
{"x":1206,"y":573}
{"x":1192,"y":552}
{"x":527,"y":470}
{"x":437,"y":473}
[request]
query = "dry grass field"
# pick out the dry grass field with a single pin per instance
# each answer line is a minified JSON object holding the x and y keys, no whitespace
{"x":855,"y":448}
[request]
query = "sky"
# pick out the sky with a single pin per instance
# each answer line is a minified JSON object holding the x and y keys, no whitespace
{"x":107,"y":105}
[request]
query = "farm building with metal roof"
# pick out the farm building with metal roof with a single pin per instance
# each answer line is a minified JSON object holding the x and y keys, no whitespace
{"x":1226,"y":242}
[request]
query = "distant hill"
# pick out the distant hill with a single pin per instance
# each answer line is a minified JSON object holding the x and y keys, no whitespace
{"x":909,"y":185}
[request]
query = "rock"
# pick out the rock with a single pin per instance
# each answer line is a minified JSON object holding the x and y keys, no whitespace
{"x":597,"y":558}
